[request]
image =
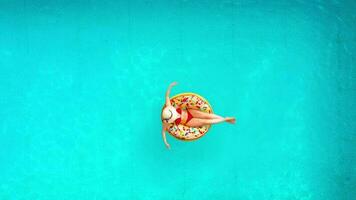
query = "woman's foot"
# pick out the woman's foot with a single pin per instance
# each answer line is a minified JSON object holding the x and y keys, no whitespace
{"x":230,"y":120}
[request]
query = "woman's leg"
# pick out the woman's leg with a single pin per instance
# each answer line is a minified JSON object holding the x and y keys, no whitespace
{"x":197,"y":122}
{"x":203,"y":115}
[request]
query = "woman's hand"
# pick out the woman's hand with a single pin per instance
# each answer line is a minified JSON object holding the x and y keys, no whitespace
{"x":173,"y":84}
{"x":168,"y":146}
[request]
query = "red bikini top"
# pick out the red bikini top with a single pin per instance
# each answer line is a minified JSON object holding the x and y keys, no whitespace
{"x":178,"y":120}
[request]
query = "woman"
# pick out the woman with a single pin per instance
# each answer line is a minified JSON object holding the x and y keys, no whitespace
{"x":188,"y":117}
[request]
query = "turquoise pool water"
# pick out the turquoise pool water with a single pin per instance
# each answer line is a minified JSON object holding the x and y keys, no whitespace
{"x":82,"y":84}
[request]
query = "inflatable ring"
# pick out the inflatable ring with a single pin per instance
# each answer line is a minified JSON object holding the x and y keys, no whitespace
{"x":192,"y":101}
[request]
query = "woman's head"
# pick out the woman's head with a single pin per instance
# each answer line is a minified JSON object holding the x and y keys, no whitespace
{"x":169,"y":114}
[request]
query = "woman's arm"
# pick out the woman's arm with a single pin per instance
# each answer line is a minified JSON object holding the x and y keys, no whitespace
{"x":168,"y":102}
{"x":164,"y":137}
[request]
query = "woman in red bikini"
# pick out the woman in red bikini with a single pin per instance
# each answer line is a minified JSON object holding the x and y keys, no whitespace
{"x":188,"y":117}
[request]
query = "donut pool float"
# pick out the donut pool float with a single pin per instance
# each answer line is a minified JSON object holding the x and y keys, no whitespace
{"x":192,"y":101}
